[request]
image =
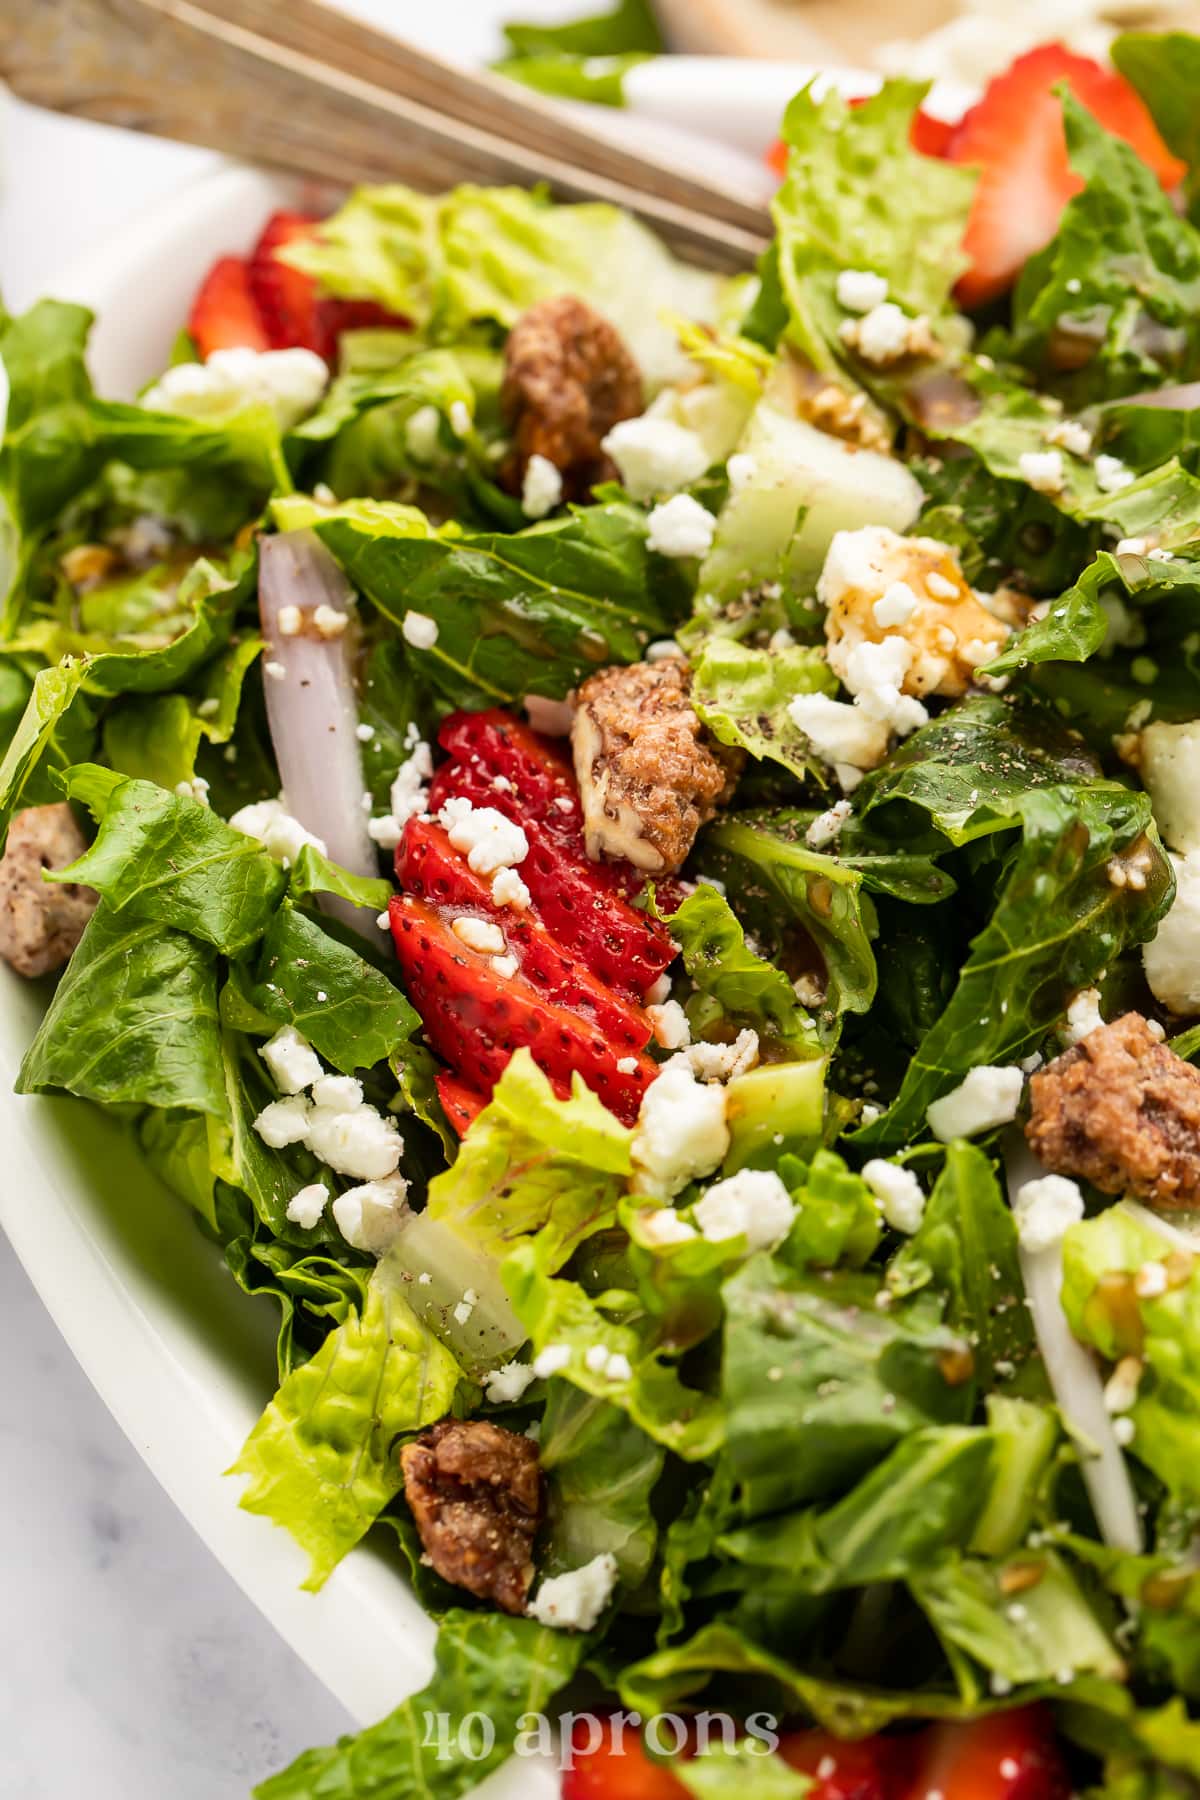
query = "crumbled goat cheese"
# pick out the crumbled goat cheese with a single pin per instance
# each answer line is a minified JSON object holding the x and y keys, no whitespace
{"x":873,"y":673}
{"x":385,"y":831}
{"x":840,"y":734}
{"x":575,"y":1601}
{"x":655,"y":456}
{"x":860,"y":290}
{"x":886,"y":334}
{"x":619,"y":1367}
{"x":987,"y":1097}
{"x":658,"y":991}
{"x":1070,"y":435}
{"x":284,"y":1122}
{"x":504,"y":966}
{"x":741,"y":470}
{"x":1172,"y":957}
{"x":681,"y":1130}
{"x":330,"y":621}
{"x":627,"y":1065}
{"x":409,"y":792}
{"x":196,"y":789}
{"x":487,"y":839}
{"x":509,"y":890}
{"x":1112,"y":475}
{"x":307,"y":1205}
{"x":899,"y":1193}
{"x":293,"y":1062}
{"x":1124,"y":1430}
{"x":460,"y":418}
{"x":541,"y":489}
{"x":753,"y":1204}
{"x":340,"y":1093}
{"x":1045,"y":1210}
{"x":290,"y":621}
{"x":364,"y":732}
{"x":362,"y":1143}
{"x":1168,"y":762}
{"x":371,"y":1217}
{"x":670,"y":1026}
{"x":478,"y":934}
{"x":723,"y":1062}
{"x":1151,"y":1281}
{"x":290,"y":382}
{"x":275,"y":671}
{"x":505,"y":1385}
{"x":662,"y":650}
{"x":280,"y":835}
{"x":551,"y":1361}
{"x":826,"y":827}
{"x":899,"y":603}
{"x":1042,"y":469}
{"x":1083,"y":1016}
{"x":680,"y":526}
{"x":664,"y":1227}
{"x":419,"y":630}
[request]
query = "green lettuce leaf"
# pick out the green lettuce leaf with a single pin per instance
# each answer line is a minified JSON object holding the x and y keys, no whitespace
{"x":630,"y":26}
{"x":1164,"y":67}
{"x":837,"y":1219}
{"x":322,"y":1459}
{"x":602,"y":1470}
{"x":133,"y":1020}
{"x":489,"y":1667}
{"x":747,"y":1770}
{"x":742,"y":695}
{"x":734,"y":986}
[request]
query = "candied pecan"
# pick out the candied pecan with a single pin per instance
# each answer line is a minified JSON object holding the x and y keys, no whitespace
{"x":41,"y":921}
{"x":568,"y":379}
{"x":475,"y":1491}
{"x":1123,"y":1111}
{"x":649,"y":773}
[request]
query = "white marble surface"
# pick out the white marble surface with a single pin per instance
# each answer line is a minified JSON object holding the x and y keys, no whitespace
{"x":131,"y":1666}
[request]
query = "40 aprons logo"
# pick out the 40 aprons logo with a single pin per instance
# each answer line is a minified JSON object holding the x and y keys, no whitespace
{"x":574,"y":1736}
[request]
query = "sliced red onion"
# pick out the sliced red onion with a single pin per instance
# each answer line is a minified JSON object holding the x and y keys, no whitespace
{"x":312,"y":708}
{"x":1171,"y":399}
{"x":1075,"y":1377}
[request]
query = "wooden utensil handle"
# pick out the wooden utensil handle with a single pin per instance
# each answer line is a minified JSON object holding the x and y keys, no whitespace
{"x":184,"y":71}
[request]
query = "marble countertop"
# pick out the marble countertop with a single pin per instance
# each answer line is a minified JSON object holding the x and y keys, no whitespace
{"x":133,"y":1665}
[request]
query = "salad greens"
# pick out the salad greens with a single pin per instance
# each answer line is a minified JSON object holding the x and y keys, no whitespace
{"x":681,"y":1181}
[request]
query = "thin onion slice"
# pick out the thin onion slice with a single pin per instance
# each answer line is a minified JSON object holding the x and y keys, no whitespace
{"x":1075,"y":1378}
{"x":1171,"y":399}
{"x":312,"y":708}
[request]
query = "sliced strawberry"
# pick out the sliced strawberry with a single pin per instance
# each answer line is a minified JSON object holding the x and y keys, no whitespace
{"x":520,"y":761}
{"x":617,"y":1768}
{"x":476,"y":1018}
{"x":929,"y":135}
{"x":870,"y":1769}
{"x":223,"y":315}
{"x":1015,"y":134}
{"x":286,"y":297}
{"x":461,"y":1104}
{"x":1008,"y":1756}
{"x":428,"y":866}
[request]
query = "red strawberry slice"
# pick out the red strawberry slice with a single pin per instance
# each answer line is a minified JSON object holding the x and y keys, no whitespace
{"x":1008,"y":1756}
{"x":870,"y":1769}
{"x":1015,"y":134}
{"x":223,"y":315}
{"x":286,"y":297}
{"x":461,"y":1104}
{"x":475,"y":1018}
{"x":517,"y":760}
{"x":428,"y":866}
{"x":617,"y":1768}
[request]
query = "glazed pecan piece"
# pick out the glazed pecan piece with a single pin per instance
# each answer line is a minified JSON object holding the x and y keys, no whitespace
{"x":649,"y":773}
{"x":475,"y":1491}
{"x":41,"y":921}
{"x":1123,"y":1111}
{"x":568,"y":379}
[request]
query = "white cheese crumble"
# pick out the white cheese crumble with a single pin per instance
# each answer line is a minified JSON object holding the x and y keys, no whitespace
{"x":664,"y":1226}
{"x":680,"y":526}
{"x":670,"y":1026}
{"x":362,"y":1143}
{"x":275,"y":671}
{"x":886,"y":333}
{"x":1042,"y":469}
{"x":486,"y":838}
{"x":840,"y":734}
{"x":1169,"y":764}
{"x":509,"y":890}
{"x":662,"y":650}
{"x":1172,"y":957}
{"x":987,"y":1097}
{"x":1112,"y":475}
{"x":290,"y":621}
{"x":1045,"y":1210}
{"x":504,"y":966}
{"x":505,"y":1385}
{"x":370,"y":1217}
{"x":723,"y":1062}
{"x":658,"y":991}
{"x":1121,"y":1388}
{"x":419,"y":630}
{"x":290,"y":382}
{"x":307,"y":1205}
{"x":860,"y":290}
{"x":460,"y":418}
{"x":826,"y":827}
{"x":899,"y":603}
{"x":753,"y":1204}
{"x":1083,"y":1016}
{"x":293,"y":1062}
{"x":280,"y":835}
{"x":681,"y":1130}
{"x":1151,"y":1281}
{"x":873,"y":673}
{"x":1070,"y":435}
{"x":330,"y":621}
{"x":385,"y":831}
{"x":541,"y":488}
{"x":478,"y":934}
{"x":340,"y":1093}
{"x":655,"y":456}
{"x":196,"y":789}
{"x":899,"y":1193}
{"x":551,"y":1361}
{"x":284,"y":1122}
{"x":575,"y":1601}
